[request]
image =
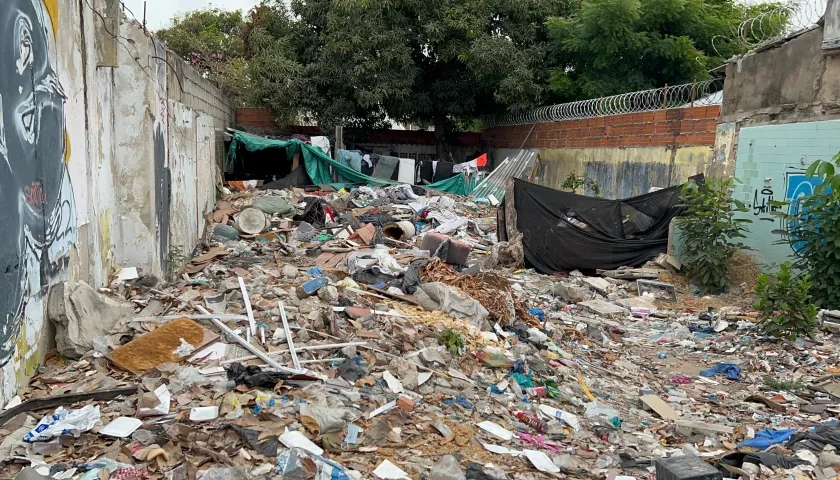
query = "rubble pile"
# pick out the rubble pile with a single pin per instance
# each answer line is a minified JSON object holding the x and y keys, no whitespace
{"x":358,"y":334}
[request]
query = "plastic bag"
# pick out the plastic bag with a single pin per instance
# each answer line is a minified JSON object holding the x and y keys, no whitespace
{"x":597,"y":409}
{"x":274,"y":205}
{"x":64,"y":422}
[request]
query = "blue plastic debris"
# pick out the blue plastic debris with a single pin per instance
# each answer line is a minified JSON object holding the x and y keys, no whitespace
{"x":539,"y":313}
{"x":312,"y":286}
{"x":765,"y":438}
{"x":732,"y":371}
{"x":459,"y":401}
{"x":315,"y":271}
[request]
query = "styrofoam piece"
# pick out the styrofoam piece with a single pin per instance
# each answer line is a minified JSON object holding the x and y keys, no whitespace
{"x":121,"y":427}
{"x":496,"y":429}
{"x":541,"y":462}
{"x":203,"y":414}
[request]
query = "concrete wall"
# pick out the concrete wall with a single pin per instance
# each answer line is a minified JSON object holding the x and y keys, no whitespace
{"x":90,"y":137}
{"x":771,"y":162}
{"x":625,"y":154}
{"x":780,"y":113}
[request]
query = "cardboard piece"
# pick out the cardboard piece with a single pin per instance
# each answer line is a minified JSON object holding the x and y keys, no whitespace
{"x":659,"y":406}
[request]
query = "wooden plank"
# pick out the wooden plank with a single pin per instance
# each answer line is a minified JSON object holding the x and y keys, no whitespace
{"x":323,"y":258}
{"x":338,"y":258}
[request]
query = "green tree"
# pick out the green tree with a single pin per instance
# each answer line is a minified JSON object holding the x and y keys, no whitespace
{"x":432,"y":62}
{"x":211,"y":41}
{"x":613,"y":46}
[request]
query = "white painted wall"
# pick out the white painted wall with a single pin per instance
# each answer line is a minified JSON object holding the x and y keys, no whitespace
{"x":126,"y":161}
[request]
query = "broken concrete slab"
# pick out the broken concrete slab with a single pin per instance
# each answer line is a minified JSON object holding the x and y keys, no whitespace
{"x":689,"y":427}
{"x":80,"y":314}
{"x":570,"y":292}
{"x":603,"y":308}
{"x":599,"y":284}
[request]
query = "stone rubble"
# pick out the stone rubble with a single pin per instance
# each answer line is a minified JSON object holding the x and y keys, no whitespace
{"x":530,"y":376}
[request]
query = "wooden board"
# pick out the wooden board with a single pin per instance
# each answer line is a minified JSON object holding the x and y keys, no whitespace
{"x":334,"y":262}
{"x":659,"y":406}
{"x":323,"y":258}
{"x":157,"y":347}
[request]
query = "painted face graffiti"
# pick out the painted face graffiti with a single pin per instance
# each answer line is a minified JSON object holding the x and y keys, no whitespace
{"x":36,"y":201}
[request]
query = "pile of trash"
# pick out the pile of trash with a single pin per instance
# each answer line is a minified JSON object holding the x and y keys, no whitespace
{"x":361,"y":334}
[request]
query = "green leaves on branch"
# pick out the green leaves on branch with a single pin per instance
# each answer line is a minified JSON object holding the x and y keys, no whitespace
{"x":813,"y":232}
{"x":710,"y":231}
{"x":606,"y":47}
{"x":785,"y":303}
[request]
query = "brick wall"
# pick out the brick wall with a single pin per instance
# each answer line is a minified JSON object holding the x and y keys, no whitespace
{"x":260,"y":121}
{"x":674,"y":127}
{"x":259,"y":118}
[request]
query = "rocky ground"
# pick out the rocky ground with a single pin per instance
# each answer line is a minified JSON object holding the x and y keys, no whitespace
{"x":406,"y":366}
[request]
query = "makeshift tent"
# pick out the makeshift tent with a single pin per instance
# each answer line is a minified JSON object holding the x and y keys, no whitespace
{"x":317,"y":164}
{"x":563,"y":231}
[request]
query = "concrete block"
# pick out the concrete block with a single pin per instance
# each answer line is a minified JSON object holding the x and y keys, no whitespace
{"x":571,"y":292}
{"x":599,"y":284}
{"x":688,"y":428}
{"x":603,"y":308}
{"x":80,"y":314}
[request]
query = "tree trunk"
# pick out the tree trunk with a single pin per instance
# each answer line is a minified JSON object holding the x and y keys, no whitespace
{"x":440,"y":137}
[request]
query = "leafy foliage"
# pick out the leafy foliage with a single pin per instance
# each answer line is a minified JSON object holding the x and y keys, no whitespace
{"x":211,"y":41}
{"x":813,"y":231}
{"x":785,"y":303}
{"x":710,"y":231}
{"x":784,"y":385}
{"x":573,"y":182}
{"x":444,"y":63}
{"x":614,"y":46}
{"x":453,"y":340}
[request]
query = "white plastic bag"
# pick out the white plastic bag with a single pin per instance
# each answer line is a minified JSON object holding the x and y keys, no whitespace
{"x":64,"y":422}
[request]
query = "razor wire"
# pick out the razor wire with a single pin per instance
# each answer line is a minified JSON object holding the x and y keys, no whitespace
{"x":782,"y":20}
{"x":676,"y":96}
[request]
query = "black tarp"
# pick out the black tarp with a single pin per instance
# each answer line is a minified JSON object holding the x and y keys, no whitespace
{"x":563,"y":231}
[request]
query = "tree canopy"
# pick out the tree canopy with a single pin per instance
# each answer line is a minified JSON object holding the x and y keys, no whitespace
{"x":614,"y":46}
{"x":443,"y":63}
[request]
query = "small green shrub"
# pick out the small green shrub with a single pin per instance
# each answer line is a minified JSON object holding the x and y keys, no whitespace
{"x":452,"y":339}
{"x":710,"y":231}
{"x":784,"y":385}
{"x":573,"y":182}
{"x":785,"y":303}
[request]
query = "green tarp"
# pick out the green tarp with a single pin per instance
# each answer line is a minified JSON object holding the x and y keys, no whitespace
{"x":318,"y":164}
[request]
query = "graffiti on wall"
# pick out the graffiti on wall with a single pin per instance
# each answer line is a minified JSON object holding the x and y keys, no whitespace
{"x":796,"y":185}
{"x":36,"y":199}
{"x":162,"y":173}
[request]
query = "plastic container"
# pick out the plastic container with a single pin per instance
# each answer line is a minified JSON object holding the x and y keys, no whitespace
{"x":532,"y":421}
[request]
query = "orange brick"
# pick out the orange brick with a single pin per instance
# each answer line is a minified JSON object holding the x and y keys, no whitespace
{"x":661,"y":140}
{"x":707,"y":139}
{"x":646,"y":116}
{"x":705,"y":126}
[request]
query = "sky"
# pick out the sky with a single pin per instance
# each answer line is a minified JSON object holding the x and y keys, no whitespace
{"x":159,"y":13}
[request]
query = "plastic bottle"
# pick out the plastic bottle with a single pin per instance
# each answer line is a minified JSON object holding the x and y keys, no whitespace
{"x":516,"y":389}
{"x":532,"y":421}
